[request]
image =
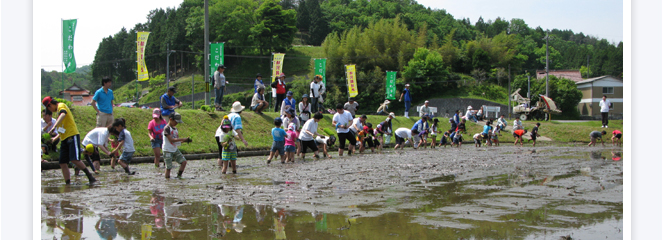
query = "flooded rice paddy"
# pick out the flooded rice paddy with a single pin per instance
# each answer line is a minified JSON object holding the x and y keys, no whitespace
{"x":469,"y":193}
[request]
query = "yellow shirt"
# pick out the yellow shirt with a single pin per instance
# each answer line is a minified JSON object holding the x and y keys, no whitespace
{"x":67,"y":123}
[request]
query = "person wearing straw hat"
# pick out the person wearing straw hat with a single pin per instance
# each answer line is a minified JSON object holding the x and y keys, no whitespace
{"x":382,"y":110}
{"x":408,"y":99}
{"x":236,"y":122}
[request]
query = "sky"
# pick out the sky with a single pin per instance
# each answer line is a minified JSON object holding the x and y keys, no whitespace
{"x":99,"y":19}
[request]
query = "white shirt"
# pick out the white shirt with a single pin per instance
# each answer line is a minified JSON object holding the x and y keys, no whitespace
{"x":317,"y":89}
{"x":605,"y":105}
{"x":44,"y":123}
{"x":99,"y":137}
{"x":321,"y":140}
{"x":167,"y":145}
{"x":344,"y":118}
{"x":404,"y":133}
{"x":517,"y":124}
{"x":302,"y":109}
{"x":312,"y":127}
{"x":128,"y":141}
{"x":356,"y":122}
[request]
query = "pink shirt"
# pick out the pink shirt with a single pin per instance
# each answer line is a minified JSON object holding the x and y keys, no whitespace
{"x":290,"y":138}
{"x":156,"y":129}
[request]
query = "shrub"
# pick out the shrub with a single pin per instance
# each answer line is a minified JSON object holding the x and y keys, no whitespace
{"x":206,"y":108}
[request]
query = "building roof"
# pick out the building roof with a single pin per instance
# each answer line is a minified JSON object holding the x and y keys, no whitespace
{"x":573,"y":75}
{"x":598,"y":78}
{"x":76,"y":90}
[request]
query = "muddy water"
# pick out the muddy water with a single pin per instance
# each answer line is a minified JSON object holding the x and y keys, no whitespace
{"x":486,"y":193}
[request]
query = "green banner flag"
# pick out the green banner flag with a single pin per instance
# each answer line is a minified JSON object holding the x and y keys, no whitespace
{"x":321,"y":69}
{"x":68,"y":31}
{"x":216,"y":57}
{"x":391,"y":85}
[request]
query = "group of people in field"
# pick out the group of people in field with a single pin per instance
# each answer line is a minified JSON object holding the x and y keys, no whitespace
{"x":295,"y":130}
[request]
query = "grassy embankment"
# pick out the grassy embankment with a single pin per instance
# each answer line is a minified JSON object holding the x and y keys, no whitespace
{"x":201,"y":127}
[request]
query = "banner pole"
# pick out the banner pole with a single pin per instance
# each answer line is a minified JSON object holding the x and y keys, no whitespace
{"x":271,"y":67}
{"x":62,"y":56}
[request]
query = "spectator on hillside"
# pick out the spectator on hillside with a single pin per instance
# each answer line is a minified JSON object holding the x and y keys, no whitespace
{"x":169,"y":102}
{"x":501,"y":122}
{"x":219,"y":87}
{"x":469,"y":115}
{"x":317,"y":89}
{"x":288,"y":103}
{"x":304,"y":109}
{"x":408,"y":99}
{"x":604,"y":104}
{"x":279,"y":85}
{"x":351,"y":106}
{"x":517,"y":124}
{"x":102,"y":102}
{"x":258,"y":83}
{"x":424,"y":110}
{"x":382,"y":110}
{"x":480,"y":114}
{"x":258,"y":103}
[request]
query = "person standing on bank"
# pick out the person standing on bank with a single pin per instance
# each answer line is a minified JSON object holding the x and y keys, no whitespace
{"x":279,"y":85}
{"x":604,"y":104}
{"x":70,"y":143}
{"x":351,"y":106}
{"x":288,"y":103}
{"x":102,"y":102}
{"x":258,"y":83}
{"x":169,"y":102}
{"x":317,"y":89}
{"x":408,"y":99}
{"x":219,"y":86}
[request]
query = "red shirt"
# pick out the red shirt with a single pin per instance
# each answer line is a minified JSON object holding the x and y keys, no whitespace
{"x":280,"y":87}
{"x":616,"y":132}
{"x":519,"y":132}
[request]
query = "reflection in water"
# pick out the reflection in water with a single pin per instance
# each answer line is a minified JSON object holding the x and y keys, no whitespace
{"x":279,"y":223}
{"x":616,"y":156}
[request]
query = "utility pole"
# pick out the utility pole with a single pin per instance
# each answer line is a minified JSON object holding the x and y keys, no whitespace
{"x":587,"y":66}
{"x":547,"y":67}
{"x":206,"y":54}
{"x":167,"y":66}
{"x":510,"y":91}
{"x":528,"y":87}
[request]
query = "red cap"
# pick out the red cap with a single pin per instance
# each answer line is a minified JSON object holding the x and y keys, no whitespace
{"x":47,"y":100}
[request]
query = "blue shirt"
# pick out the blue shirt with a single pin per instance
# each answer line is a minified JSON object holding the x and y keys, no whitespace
{"x":406,"y":93}
{"x":420,"y":126}
{"x":486,"y":129}
{"x":104,"y":100}
{"x":255,"y":85}
{"x":236,"y":121}
{"x":170,"y":101}
{"x":456,"y":118}
{"x":278,"y":134}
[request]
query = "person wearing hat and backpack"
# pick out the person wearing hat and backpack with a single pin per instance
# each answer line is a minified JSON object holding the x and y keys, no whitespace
{"x":288,"y":103}
{"x":408,"y":99}
{"x":236,"y":122}
{"x":279,"y":85}
{"x":219,"y":86}
{"x":169,"y":102}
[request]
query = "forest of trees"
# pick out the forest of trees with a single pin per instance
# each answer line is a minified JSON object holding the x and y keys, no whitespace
{"x":426,"y":46}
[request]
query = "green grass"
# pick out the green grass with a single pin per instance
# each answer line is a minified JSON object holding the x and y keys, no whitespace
{"x":201,"y":127}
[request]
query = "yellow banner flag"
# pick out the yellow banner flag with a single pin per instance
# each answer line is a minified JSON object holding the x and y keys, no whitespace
{"x":352,"y":80}
{"x":278,"y":65}
{"x":140,"y":45}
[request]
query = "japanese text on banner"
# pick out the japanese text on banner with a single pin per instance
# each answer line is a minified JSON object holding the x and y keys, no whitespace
{"x":278,"y":65}
{"x":321,"y":69}
{"x":391,"y":85}
{"x":140,"y":50}
{"x":216,"y":57}
{"x":352,"y":80}
{"x":68,"y":31}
